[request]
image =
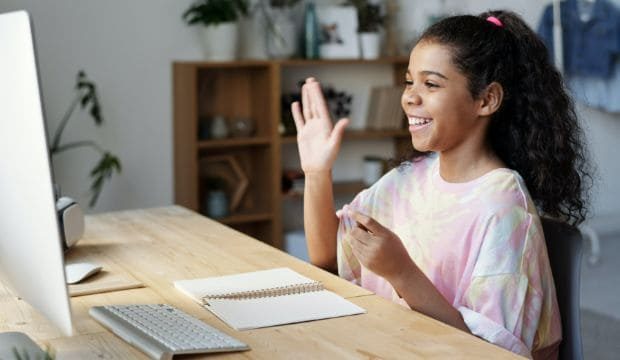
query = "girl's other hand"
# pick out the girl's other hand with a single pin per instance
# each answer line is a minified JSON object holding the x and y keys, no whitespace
{"x":318,"y":141}
{"x":378,"y":248}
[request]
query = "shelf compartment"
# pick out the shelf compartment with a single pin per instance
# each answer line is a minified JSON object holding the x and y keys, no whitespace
{"x":255,"y":164}
{"x":241,"y":218}
{"x":262,"y":230}
{"x":348,"y":187}
{"x":359,"y":135}
{"x":233,"y":142}
{"x":232,"y":92}
{"x":340,"y":188}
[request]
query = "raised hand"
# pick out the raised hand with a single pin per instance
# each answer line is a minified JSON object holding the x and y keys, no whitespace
{"x":317,"y":139}
{"x":377,"y":248}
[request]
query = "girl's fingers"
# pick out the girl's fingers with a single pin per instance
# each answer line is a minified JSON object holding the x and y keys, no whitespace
{"x":297,"y":116}
{"x":306,"y":103}
{"x":318,"y":101}
{"x":356,"y":247}
{"x":361,"y":236}
{"x":367,"y":222}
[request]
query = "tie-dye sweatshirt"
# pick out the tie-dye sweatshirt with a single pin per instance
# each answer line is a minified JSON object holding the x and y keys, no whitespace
{"x":480,"y":243}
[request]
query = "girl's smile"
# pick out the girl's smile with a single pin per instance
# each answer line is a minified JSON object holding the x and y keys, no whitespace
{"x":417,"y":123}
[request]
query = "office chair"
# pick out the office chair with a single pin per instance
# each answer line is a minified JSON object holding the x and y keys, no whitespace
{"x":564,"y":245}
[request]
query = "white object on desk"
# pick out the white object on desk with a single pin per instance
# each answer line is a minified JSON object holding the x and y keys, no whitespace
{"x":266,"y":298}
{"x":80,"y":271}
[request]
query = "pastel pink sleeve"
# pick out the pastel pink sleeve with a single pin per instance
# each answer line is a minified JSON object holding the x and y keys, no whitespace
{"x":503,"y":302}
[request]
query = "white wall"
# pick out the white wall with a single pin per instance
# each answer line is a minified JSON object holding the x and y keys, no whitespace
{"x":127,"y":47}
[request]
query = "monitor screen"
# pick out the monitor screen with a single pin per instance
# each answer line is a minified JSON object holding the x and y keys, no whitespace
{"x":31,"y":258}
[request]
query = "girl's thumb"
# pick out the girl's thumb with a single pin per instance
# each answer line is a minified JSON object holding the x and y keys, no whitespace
{"x":338,"y":130}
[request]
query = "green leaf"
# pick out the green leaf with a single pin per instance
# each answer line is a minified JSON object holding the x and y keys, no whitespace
{"x":86,"y":97}
{"x":103,"y":170}
{"x":213,"y":12}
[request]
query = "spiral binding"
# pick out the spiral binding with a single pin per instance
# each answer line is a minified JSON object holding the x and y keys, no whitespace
{"x":271,"y":292}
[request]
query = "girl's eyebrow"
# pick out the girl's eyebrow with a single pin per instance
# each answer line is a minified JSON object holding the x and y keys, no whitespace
{"x":429,"y":72}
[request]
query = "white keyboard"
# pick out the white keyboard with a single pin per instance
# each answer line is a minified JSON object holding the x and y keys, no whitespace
{"x":162,"y":331}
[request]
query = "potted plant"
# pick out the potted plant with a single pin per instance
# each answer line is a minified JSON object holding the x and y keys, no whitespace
{"x":219,"y":31}
{"x":370,"y":22}
{"x":86,"y":97}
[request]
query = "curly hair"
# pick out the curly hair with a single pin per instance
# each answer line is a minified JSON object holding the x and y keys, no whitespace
{"x":535,"y":131}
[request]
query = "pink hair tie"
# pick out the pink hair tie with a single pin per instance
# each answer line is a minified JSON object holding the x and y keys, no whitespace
{"x":494,"y":20}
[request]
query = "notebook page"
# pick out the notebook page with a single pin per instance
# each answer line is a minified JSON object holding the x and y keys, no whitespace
{"x":263,"y":312}
{"x":252,"y":281}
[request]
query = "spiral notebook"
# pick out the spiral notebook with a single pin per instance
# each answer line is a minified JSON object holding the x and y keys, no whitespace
{"x":266,"y":298}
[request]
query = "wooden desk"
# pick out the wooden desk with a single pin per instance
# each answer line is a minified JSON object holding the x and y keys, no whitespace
{"x":157,"y":246}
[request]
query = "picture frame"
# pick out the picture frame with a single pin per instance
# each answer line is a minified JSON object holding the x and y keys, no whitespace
{"x":338,"y":32}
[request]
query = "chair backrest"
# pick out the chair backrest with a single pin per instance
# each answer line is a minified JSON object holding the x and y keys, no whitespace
{"x":564,"y":245}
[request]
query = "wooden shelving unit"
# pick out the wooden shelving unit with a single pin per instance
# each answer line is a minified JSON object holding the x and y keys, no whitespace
{"x":250,"y":89}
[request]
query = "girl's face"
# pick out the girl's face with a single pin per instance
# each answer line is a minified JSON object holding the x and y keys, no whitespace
{"x":443,"y":115}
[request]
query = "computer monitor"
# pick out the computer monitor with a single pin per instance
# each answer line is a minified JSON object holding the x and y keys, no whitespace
{"x":31,"y":258}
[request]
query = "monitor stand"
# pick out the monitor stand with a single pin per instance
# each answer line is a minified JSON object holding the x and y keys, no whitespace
{"x":17,"y":345}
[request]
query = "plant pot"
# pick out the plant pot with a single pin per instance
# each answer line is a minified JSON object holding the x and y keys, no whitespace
{"x":252,"y":40}
{"x":220,"y":41}
{"x":282,"y":36}
{"x":370,"y":43}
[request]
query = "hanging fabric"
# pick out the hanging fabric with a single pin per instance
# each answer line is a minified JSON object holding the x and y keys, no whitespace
{"x":591,"y":46}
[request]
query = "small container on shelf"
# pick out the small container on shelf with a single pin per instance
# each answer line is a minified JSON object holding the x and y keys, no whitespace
{"x":219,"y":127}
{"x":217,"y":204}
{"x":242,"y":127}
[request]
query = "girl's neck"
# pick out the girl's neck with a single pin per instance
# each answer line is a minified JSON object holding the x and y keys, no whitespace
{"x":462,"y":166}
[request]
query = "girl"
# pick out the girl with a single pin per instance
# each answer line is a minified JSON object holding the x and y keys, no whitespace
{"x":454,"y":231}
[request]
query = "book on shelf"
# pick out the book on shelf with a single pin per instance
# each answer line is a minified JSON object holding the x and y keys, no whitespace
{"x":266,"y":298}
{"x":384,"y":108}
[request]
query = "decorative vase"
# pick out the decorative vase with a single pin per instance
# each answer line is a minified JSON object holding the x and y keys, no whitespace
{"x":282,"y":34}
{"x":217,"y":204}
{"x":311,"y":32}
{"x":252,"y":41}
{"x":370,"y":44}
{"x":220,"y":41}
{"x":219,"y":128}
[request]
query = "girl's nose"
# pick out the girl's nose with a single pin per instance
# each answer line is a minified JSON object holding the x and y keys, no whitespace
{"x":410,"y":97}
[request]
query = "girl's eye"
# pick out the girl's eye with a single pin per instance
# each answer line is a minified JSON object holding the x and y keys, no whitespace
{"x":430,"y":84}
{"x":408,"y":82}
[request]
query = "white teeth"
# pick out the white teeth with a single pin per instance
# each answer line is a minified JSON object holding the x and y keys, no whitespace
{"x":418,"y":121}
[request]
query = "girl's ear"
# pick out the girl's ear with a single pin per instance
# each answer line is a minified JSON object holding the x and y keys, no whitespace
{"x":491,"y":99}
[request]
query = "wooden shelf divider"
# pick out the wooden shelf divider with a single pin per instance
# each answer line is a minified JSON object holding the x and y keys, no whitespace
{"x":233,"y":142}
